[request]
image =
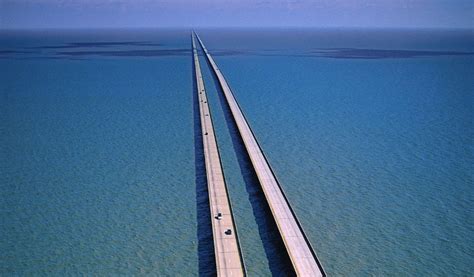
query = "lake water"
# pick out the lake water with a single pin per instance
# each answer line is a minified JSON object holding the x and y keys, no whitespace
{"x":369,"y":131}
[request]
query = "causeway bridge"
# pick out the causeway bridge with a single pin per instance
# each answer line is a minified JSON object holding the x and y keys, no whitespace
{"x":302,"y":255}
{"x":229,"y":261}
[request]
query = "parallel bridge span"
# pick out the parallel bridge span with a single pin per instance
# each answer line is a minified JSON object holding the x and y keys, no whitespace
{"x":229,"y":261}
{"x":303,"y":257}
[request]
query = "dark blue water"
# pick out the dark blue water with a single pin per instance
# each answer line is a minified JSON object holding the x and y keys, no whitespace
{"x":369,"y":131}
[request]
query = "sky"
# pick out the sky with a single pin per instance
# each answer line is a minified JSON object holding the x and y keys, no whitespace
{"x":236,"y":13}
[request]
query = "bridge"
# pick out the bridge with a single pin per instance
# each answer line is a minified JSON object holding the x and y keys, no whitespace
{"x":229,"y":261}
{"x":302,"y":255}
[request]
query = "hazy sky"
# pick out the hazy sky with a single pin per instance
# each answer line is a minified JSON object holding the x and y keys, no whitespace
{"x":265,"y":13}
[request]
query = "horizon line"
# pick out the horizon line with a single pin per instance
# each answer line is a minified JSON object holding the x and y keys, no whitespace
{"x":468,"y":28}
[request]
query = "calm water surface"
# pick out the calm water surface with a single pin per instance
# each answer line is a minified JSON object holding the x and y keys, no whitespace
{"x":370,"y":133}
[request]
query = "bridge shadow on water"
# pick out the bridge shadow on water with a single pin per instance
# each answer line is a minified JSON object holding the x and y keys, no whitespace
{"x":278,"y":259}
{"x":206,"y":256}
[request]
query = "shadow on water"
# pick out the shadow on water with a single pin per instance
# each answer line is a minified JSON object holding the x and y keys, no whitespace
{"x":278,"y":259}
{"x":207,"y":264}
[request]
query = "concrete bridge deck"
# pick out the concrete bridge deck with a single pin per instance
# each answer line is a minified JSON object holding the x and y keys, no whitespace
{"x":300,"y":251}
{"x":229,"y":261}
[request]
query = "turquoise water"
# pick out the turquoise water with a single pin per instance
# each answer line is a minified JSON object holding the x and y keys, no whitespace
{"x":369,"y":132}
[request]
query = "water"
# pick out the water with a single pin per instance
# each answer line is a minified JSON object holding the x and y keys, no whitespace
{"x":369,"y":132}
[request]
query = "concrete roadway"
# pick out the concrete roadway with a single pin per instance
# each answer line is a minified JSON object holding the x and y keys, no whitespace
{"x":229,"y":260}
{"x":300,"y":251}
